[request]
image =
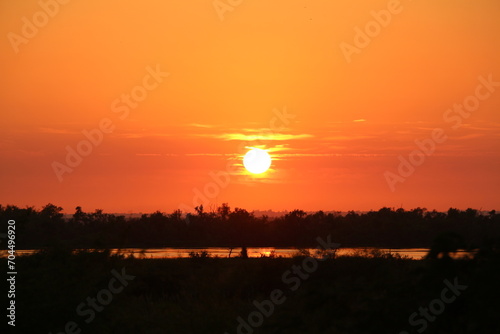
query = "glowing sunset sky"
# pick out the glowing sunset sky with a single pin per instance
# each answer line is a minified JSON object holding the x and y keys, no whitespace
{"x":177,"y":93}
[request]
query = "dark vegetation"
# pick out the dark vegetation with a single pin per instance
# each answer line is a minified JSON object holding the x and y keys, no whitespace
{"x":236,"y":228}
{"x":375,"y":293}
{"x":370,"y":292}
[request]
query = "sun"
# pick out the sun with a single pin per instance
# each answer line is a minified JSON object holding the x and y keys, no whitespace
{"x":257,"y":161}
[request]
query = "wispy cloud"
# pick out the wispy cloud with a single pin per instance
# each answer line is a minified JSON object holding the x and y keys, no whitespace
{"x":211,"y":155}
{"x":245,"y":137}
{"x":133,"y":135}
{"x":58,"y":131}
{"x":198,"y":125}
{"x":346,"y":137}
{"x":148,"y":154}
{"x":278,"y":148}
{"x":320,"y":155}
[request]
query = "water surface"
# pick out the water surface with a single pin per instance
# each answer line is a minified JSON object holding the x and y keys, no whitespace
{"x":156,"y":253}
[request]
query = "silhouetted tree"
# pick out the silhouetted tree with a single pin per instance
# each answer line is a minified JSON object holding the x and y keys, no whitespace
{"x":244,"y":253}
{"x":444,"y":244}
{"x":224,"y":210}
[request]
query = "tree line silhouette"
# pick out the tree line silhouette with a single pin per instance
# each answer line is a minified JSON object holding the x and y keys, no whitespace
{"x":226,"y":227}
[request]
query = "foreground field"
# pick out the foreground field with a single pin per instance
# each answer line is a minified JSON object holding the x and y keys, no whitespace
{"x":95,"y":292}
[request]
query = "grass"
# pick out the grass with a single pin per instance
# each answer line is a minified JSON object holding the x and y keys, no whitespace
{"x":368,"y":292}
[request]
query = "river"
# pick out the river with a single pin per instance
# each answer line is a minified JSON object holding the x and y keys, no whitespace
{"x":156,"y":253}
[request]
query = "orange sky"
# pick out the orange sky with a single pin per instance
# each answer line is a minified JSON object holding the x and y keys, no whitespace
{"x":349,"y":115}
